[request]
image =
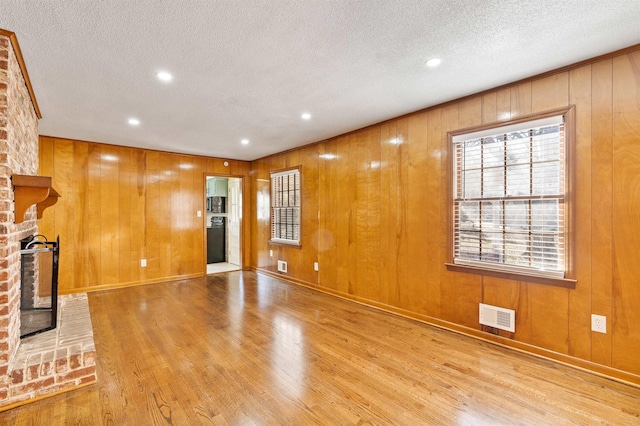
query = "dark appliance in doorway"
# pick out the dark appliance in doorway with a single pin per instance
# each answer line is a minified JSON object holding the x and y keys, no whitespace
{"x":217,"y":204}
{"x":216,"y":242}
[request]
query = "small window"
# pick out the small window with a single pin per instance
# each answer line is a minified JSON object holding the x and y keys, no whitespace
{"x":285,"y":207}
{"x":510,"y":186}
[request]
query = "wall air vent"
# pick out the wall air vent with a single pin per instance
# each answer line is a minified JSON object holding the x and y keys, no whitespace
{"x":493,"y":316}
{"x":282,"y":266}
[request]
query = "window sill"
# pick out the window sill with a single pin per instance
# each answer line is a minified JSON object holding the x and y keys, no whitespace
{"x":284,"y":243}
{"x":557,"y":282}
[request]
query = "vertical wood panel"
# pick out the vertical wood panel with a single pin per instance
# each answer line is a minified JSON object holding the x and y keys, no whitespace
{"x":186,"y":211}
{"x":326,"y":230}
{"x":94,"y":189}
{"x":176,"y":218}
{"x":520,"y":100}
{"x":81,"y":217}
{"x":109,"y":215}
{"x":63,"y":176}
{"x":550,"y":317}
{"x":418,"y":198}
{"x":155,"y":210}
{"x":434,"y":252}
{"x":402,"y":191}
{"x":602,"y":210}
{"x":503,"y":104}
{"x":129,"y":263}
{"x":626,"y":212}
{"x":306,"y":257}
{"x":390,"y":142}
{"x":386,"y":132}
{"x":470,"y":113}
{"x":343,"y":214}
{"x":580,"y":297}
{"x":372,"y":252}
{"x":352,"y":207}
{"x":550,"y":92}
{"x":489,"y":107}
{"x":362,"y":238}
{"x":140,"y":197}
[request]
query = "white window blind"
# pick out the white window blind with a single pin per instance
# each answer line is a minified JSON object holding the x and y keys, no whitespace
{"x":285,"y":206}
{"x":509,"y":198}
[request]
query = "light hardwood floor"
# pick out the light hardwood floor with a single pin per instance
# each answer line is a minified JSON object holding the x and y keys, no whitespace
{"x":244,"y":348}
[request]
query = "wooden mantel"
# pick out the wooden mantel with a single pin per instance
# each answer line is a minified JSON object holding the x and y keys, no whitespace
{"x":30,"y":190}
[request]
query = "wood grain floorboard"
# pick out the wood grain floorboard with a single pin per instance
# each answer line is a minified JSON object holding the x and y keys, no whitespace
{"x":242,"y":348}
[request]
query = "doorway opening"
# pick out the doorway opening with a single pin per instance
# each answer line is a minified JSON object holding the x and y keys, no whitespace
{"x":223,"y":219}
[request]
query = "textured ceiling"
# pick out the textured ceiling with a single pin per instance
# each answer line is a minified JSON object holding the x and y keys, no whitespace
{"x":248,"y":69}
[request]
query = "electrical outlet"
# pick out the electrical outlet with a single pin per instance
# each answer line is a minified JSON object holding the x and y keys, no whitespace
{"x":270,"y":253}
{"x":315,"y":266}
{"x":599,"y":323}
{"x":143,"y":263}
{"x":199,"y":213}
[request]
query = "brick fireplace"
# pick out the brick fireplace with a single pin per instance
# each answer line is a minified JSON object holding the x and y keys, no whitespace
{"x":54,"y":360}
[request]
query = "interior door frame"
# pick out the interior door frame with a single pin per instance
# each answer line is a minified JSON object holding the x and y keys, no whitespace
{"x":204,"y":215}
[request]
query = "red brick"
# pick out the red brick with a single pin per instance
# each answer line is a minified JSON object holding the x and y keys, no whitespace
{"x":32,"y":386}
{"x":45,"y":368}
{"x":88,"y":379}
{"x":32,"y":372}
{"x":17,"y":376}
{"x":61,"y":365}
{"x":74,"y":361}
{"x":75,"y":374}
{"x":57,"y":388}
{"x":89,"y":358}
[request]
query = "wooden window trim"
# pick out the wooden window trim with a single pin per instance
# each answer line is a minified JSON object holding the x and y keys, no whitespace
{"x":281,"y":242}
{"x":569,"y":280}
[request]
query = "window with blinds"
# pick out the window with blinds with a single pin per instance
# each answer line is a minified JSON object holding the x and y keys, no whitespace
{"x":285,"y":206}
{"x":509,"y":198}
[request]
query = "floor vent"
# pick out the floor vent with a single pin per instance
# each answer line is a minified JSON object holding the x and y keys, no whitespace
{"x":493,"y":316}
{"x":282,"y":266}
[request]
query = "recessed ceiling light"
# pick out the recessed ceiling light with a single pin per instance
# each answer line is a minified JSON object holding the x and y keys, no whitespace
{"x":306,"y":116}
{"x":164,"y":76}
{"x":134,"y":121}
{"x":244,"y":141}
{"x":433,"y":62}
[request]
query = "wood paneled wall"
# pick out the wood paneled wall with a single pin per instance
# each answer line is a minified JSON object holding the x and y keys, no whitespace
{"x":120,"y":205}
{"x":375,"y":218}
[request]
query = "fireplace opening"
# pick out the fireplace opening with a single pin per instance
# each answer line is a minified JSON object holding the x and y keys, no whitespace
{"x":38,"y":285}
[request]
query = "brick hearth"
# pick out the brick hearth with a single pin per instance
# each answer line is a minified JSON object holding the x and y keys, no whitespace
{"x":57,"y":359}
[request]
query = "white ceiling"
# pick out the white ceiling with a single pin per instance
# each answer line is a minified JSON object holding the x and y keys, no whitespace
{"x":249,"y":68}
